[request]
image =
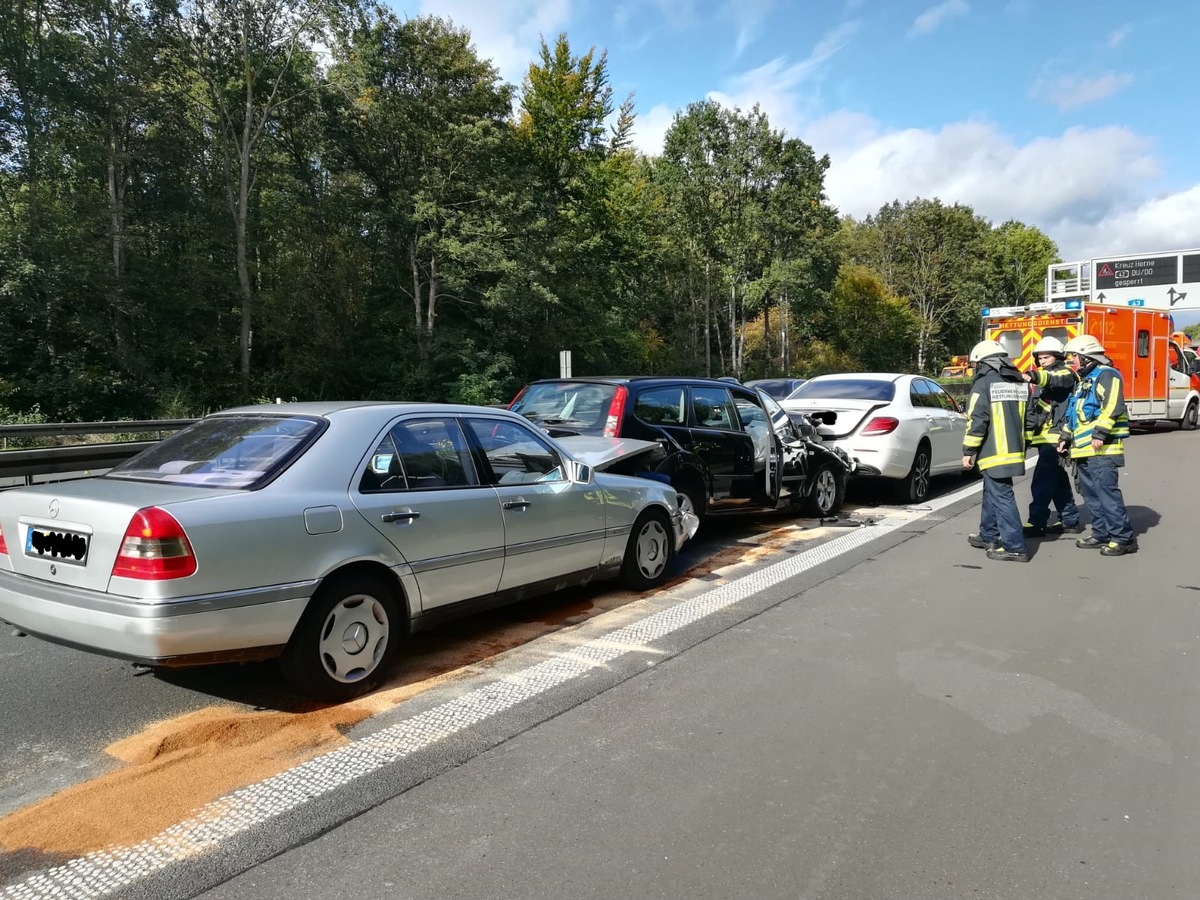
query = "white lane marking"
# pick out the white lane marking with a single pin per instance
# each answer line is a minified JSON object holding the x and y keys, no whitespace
{"x":109,"y":870}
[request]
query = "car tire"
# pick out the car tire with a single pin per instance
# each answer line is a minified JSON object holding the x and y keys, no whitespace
{"x":344,"y":641}
{"x":1191,"y":417}
{"x":692,"y":492}
{"x":650,"y":552}
{"x":914,"y":487}
{"x":828,"y":492}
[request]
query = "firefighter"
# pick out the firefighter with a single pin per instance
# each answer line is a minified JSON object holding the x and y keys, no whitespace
{"x":1050,"y":485}
{"x":1094,"y":430}
{"x":995,"y":439}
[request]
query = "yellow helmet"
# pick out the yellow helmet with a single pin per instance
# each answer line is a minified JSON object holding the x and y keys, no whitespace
{"x":1084,"y":345}
{"x":1049,"y":344}
{"x":984,"y":349}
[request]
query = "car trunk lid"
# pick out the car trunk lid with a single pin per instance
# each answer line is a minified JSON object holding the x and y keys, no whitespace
{"x":71,"y":533}
{"x":850,"y":413}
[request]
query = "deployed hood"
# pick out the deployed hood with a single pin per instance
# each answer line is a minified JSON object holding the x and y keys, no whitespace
{"x":1001,"y":364}
{"x":602,"y":452}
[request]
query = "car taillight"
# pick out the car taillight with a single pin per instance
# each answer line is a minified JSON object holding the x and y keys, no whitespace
{"x":616,"y":409}
{"x":154,"y":548}
{"x":880,"y":425}
{"x":3,"y":546}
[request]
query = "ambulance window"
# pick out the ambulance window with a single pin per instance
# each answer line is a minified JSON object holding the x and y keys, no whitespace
{"x":1011,"y":341}
{"x":1060,"y":333}
{"x":1143,"y":343}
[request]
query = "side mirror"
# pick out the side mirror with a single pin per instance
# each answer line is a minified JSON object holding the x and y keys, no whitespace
{"x":579,"y":473}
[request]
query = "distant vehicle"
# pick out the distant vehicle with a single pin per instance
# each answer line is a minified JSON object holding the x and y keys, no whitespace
{"x":723,"y":446}
{"x":1157,"y":376}
{"x":959,"y":367}
{"x":776,"y":387}
{"x":903,"y":428}
{"x":321,"y":533}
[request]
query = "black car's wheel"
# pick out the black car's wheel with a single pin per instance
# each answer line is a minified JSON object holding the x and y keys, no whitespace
{"x":914,"y":487}
{"x":1190,"y":417}
{"x":342,"y":645}
{"x":828,"y":491}
{"x":691,"y":496}
{"x":649,"y":553}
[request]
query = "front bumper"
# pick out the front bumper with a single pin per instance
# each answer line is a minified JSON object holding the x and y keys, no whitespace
{"x":237,"y":625}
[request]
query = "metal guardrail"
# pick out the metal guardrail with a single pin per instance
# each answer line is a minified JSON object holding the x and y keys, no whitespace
{"x":81,"y":458}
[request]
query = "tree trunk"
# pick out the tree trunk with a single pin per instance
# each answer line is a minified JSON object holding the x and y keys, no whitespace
{"x":768,"y":368}
{"x":433,"y":293}
{"x":707,"y":321}
{"x":416,"y":282}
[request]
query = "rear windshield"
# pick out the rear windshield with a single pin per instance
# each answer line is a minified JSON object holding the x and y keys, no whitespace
{"x":580,"y":406}
{"x":236,"y":451}
{"x":846,"y":389}
{"x":776,"y":389}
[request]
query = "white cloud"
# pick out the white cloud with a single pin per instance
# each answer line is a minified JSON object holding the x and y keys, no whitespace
{"x":650,"y":128}
{"x":1072,"y":91}
{"x":932,"y":18}
{"x":1117,"y":37}
{"x":772,"y":85}
{"x":1090,"y":189}
{"x":748,"y":16}
{"x":505,"y":31}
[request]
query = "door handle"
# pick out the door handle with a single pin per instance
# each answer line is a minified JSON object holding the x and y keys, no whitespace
{"x":401,"y":516}
{"x":520,"y":503}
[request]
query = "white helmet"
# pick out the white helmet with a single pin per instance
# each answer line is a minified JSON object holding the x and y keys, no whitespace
{"x":1049,"y":344}
{"x":1084,"y":345}
{"x":984,"y":349}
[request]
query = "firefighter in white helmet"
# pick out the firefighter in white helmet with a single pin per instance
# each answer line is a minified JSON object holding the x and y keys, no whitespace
{"x":995,"y":440}
{"x":1095,"y":430}
{"x":1050,"y":485}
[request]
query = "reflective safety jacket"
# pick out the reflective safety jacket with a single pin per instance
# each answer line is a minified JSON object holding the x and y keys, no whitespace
{"x":1048,"y":408}
{"x":996,"y":418}
{"x":1096,"y":409}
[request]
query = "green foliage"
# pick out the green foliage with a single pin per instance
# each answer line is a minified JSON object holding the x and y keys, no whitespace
{"x":175,"y":201}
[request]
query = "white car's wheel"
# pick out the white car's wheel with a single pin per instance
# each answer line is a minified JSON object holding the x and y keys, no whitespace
{"x":649,"y":553}
{"x":914,"y":487}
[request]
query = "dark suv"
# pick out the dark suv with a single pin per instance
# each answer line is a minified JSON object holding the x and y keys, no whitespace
{"x":724,"y":446}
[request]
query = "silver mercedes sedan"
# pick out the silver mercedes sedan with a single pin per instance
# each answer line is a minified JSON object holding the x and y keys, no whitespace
{"x":320,"y":533}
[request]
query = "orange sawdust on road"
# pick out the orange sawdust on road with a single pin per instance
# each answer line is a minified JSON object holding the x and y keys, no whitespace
{"x":173,"y":768}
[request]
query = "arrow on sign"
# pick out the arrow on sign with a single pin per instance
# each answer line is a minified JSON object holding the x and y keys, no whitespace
{"x":1175,"y":295}
{"x":1099,"y":298}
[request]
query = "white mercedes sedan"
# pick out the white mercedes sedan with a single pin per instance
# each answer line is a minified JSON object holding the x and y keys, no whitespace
{"x":904,"y":428}
{"x":320,"y":533}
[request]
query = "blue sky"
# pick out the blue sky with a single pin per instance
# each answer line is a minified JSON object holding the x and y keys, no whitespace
{"x":1079,"y":117}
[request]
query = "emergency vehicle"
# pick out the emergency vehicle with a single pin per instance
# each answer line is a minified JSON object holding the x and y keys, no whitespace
{"x":1138,"y":340}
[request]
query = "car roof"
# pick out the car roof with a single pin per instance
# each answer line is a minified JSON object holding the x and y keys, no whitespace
{"x":331,"y":407}
{"x":865,"y":376}
{"x":636,"y":379}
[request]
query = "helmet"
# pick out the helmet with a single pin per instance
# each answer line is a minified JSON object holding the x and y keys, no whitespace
{"x":984,"y":349}
{"x":1049,"y":344}
{"x":1084,"y":345}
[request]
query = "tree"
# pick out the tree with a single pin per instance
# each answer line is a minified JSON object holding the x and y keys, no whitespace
{"x":1020,"y":255}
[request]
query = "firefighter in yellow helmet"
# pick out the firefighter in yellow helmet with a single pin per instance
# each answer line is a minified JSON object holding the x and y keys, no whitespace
{"x":995,"y":439}
{"x":1054,"y":380}
{"x":1095,"y":431}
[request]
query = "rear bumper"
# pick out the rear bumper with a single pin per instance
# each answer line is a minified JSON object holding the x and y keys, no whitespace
{"x":184,"y":631}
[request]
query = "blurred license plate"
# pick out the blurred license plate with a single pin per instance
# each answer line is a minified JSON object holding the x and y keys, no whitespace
{"x":57,"y":546}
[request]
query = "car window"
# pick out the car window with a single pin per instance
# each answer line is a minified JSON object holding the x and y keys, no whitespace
{"x":661,"y":406}
{"x":420,"y":454}
{"x":941,"y":398}
{"x":846,"y":389}
{"x":516,"y":454}
{"x":749,"y":412}
{"x":229,"y":451}
{"x":712,"y":407}
{"x":579,"y":404}
{"x":918,"y":393}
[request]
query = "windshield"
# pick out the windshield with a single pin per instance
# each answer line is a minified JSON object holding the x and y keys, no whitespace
{"x":583,"y":406}
{"x":846,"y":389}
{"x":235,"y":451}
{"x":778,"y":389}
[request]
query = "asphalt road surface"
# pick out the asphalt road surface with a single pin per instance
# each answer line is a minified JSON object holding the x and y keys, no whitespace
{"x":896,"y":717}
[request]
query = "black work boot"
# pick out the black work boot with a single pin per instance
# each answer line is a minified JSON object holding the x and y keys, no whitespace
{"x":1064,"y":528}
{"x":1089,"y":543}
{"x":1033,"y":530}
{"x":980,"y":544}
{"x":999,"y":553}
{"x":1112,"y":548}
